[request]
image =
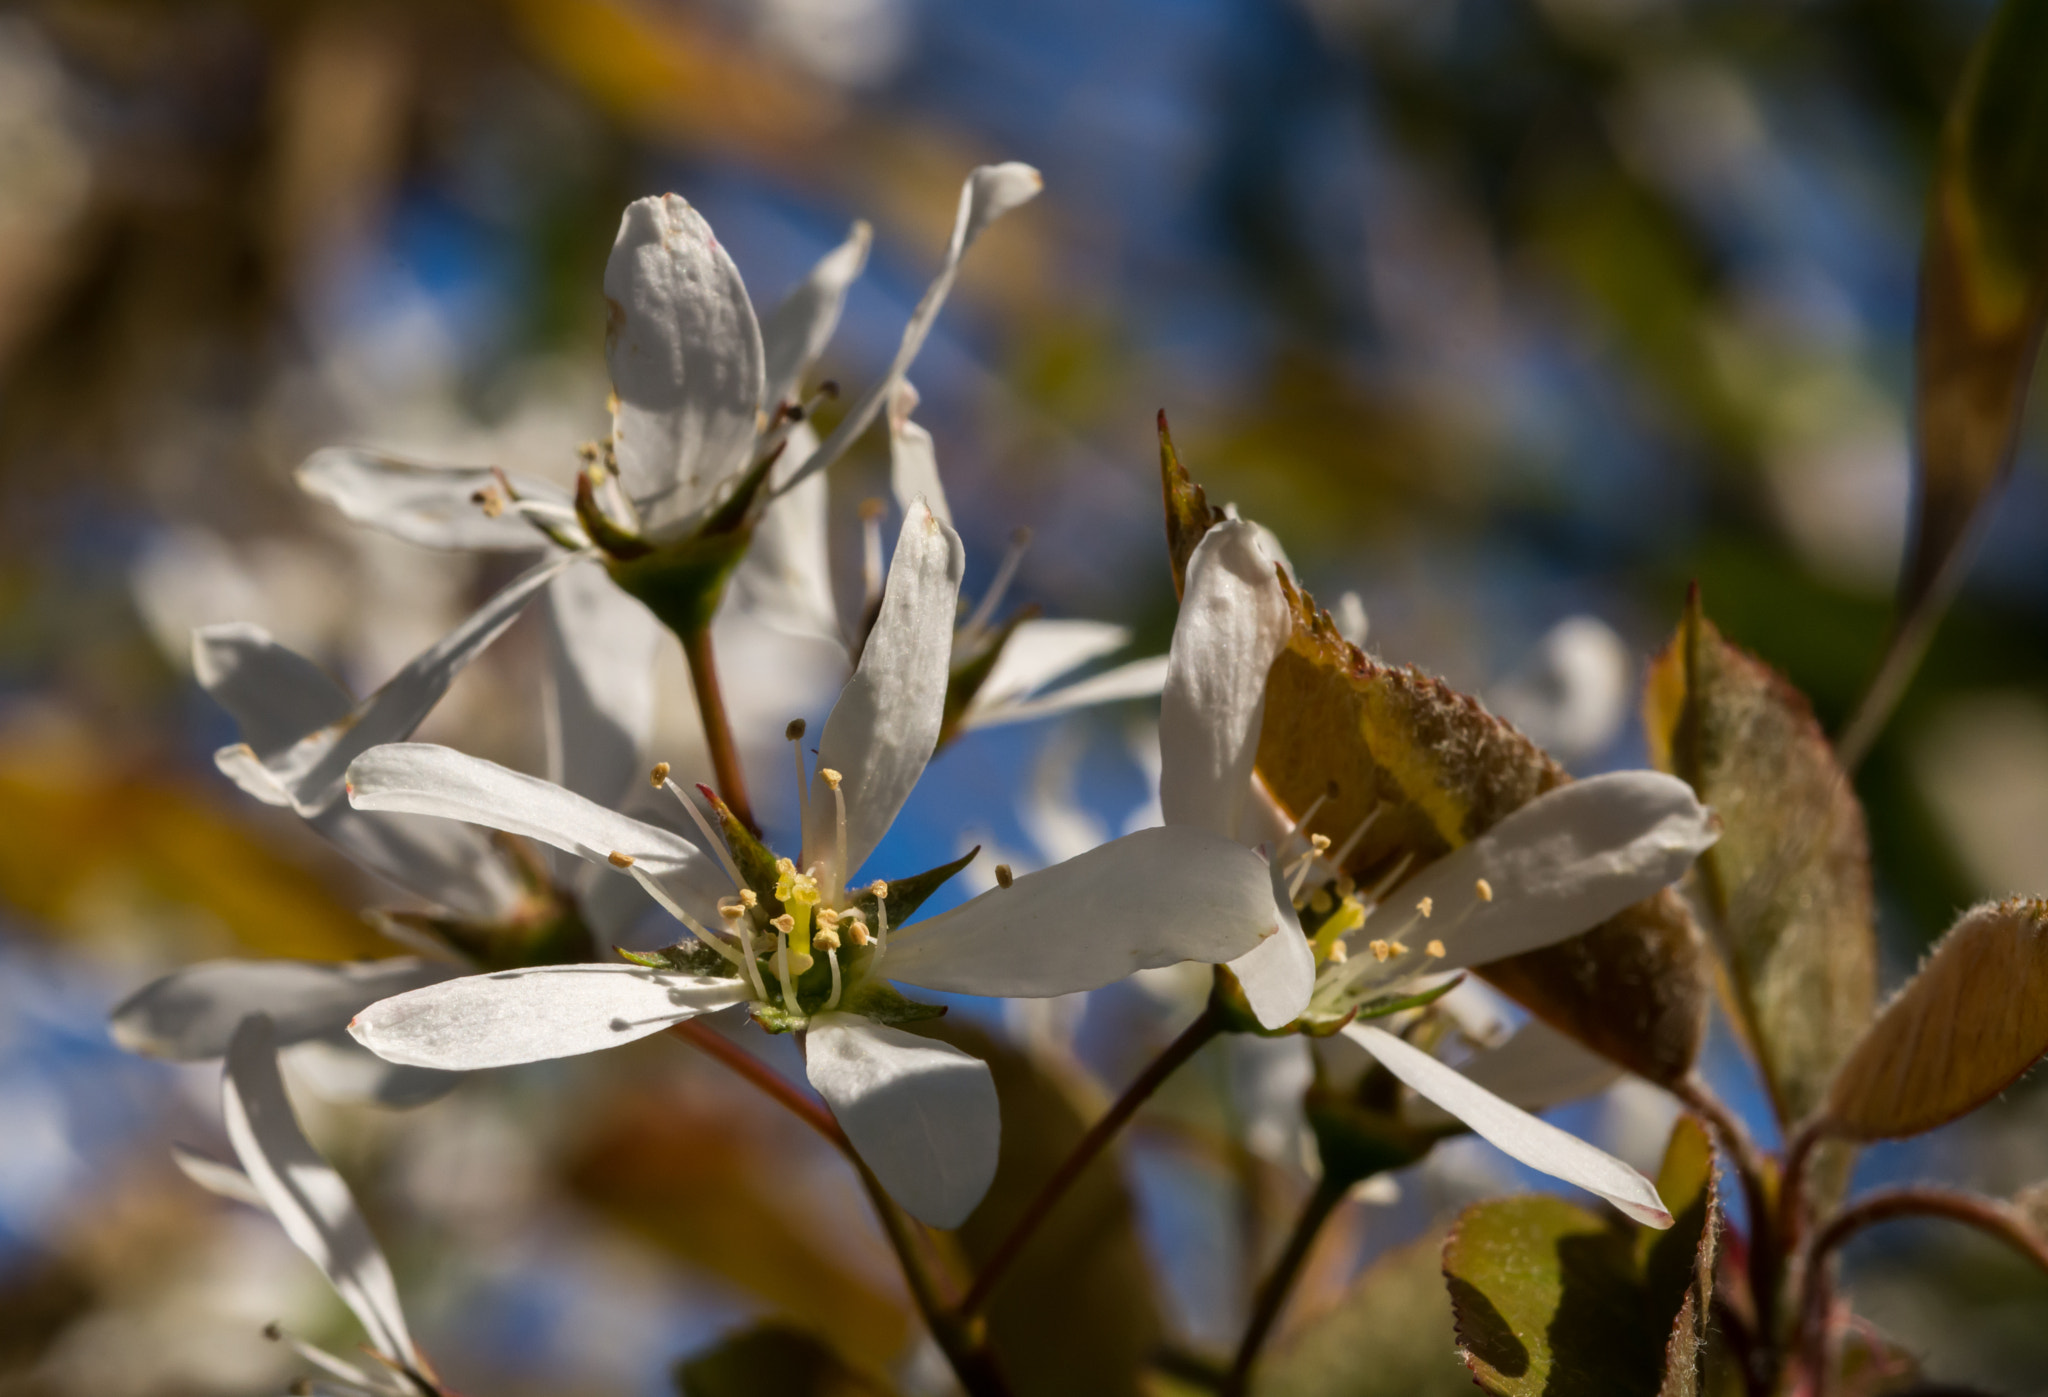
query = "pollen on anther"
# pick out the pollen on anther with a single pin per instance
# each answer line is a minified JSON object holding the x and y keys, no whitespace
{"x":858,"y":930}
{"x":659,"y":776}
{"x":1484,"y":889}
{"x":1339,"y":953}
{"x":1397,"y":948}
{"x":825,"y":939}
{"x":619,"y":860}
{"x":1435,"y":950}
{"x":784,"y":923}
{"x":749,"y":898}
{"x":1426,"y":906}
{"x":1320,"y":842}
{"x":880,"y":887}
{"x":830,"y":777}
{"x":730,"y":909}
{"x":1380,"y":950}
{"x":1004,"y":877}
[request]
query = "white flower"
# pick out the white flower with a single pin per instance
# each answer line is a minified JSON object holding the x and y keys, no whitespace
{"x":282,"y":1174}
{"x":1571,"y":696}
{"x":922,"y":1114}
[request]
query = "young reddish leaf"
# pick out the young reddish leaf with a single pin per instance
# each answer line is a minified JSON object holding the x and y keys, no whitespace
{"x":1435,"y":770}
{"x":1551,"y":1299}
{"x":1789,"y":881}
{"x":1959,"y":1032}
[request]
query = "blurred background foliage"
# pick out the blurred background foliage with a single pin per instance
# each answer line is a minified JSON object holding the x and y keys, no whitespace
{"x":1494,"y":310}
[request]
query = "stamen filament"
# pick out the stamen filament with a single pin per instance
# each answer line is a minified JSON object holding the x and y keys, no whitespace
{"x":1006,"y":572}
{"x":870,"y":555}
{"x":1351,"y":841}
{"x":795,"y":733}
{"x":712,"y":839}
{"x":881,"y":892}
{"x":832,"y":959}
{"x":674,"y":909}
{"x":782,"y":925}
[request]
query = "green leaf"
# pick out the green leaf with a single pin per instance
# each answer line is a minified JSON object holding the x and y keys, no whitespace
{"x":1076,"y":1314}
{"x":1434,"y":770}
{"x":1957,"y":1034}
{"x":774,"y":1360}
{"x":1553,"y":1299}
{"x":1789,"y":881}
{"x":1389,"y":1336}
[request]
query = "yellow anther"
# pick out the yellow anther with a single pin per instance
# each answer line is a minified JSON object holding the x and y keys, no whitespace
{"x":1346,"y":885}
{"x":830,"y":777}
{"x":492,"y":503}
{"x":795,"y":731}
{"x":827,"y":917}
{"x":785,"y":866}
{"x":1320,"y":902}
{"x":1426,"y":906}
{"x":749,"y":898}
{"x":1435,"y":950}
{"x":859,"y":931}
{"x":784,"y":923}
{"x":825,"y":939}
{"x":1380,"y":950}
{"x":587,"y":453}
{"x":730,"y":909}
{"x":1484,"y":889}
{"x":658,"y":777}
{"x":1397,"y":948}
{"x":1321,"y":842}
{"x":1339,"y":953}
{"x":880,"y":888}
{"x":1003,"y":875}
{"x":619,"y":860}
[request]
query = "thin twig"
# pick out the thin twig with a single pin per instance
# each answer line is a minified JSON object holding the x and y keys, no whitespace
{"x":1274,"y":1290}
{"x":725,"y":753}
{"x":810,"y":1111}
{"x":1206,"y":1026}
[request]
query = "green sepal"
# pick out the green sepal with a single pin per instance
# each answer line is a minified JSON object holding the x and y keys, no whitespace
{"x":1394,"y":1003}
{"x":1358,"y":1140}
{"x":549,"y":931}
{"x":965,"y":678}
{"x":690,"y":957}
{"x":756,"y":860}
{"x":682,"y":582}
{"x":881,"y":1001}
{"x":906,"y":895}
{"x":1227,"y":999}
{"x":773,"y":1018}
{"x":615,"y":541}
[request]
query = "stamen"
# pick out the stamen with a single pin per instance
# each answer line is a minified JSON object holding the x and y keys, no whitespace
{"x":1320,"y":901}
{"x":489,"y":501}
{"x":858,"y":930}
{"x":1434,"y":950}
{"x":619,"y":860}
{"x":1339,"y":953}
{"x":783,"y":925}
{"x":1394,"y":875}
{"x":1343,"y":854}
{"x":658,"y":777}
{"x":1003,"y":875}
{"x":1320,"y":842}
{"x":839,"y":868}
{"x":1484,"y":889}
{"x":1006,"y":572}
{"x":826,"y":939}
{"x":713,"y":840}
{"x":832,"y":959}
{"x":1380,"y":950}
{"x":871,"y":554}
{"x":749,"y":899}
{"x":880,"y":889}
{"x":1426,"y":906}
{"x":794,"y":734}
{"x":1397,"y":948}
{"x":674,"y":909}
{"x":730,"y":909}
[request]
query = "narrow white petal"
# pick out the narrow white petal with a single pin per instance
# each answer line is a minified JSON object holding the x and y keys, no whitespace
{"x":1279,"y":973}
{"x":1049,"y":810}
{"x":1572,"y":696}
{"x":335,"y":1067}
{"x":193,"y":1012}
{"x":1233,"y":622}
{"x":601,"y":645}
{"x":990,"y":192}
{"x":1137,"y":679}
{"x":221,"y":1180}
{"x":422,"y":779}
{"x":1268,"y":1079}
{"x":921,"y":1113}
{"x":1561,"y":864}
{"x":785,"y":580}
{"x":311,"y":769}
{"x":307,"y":1197}
{"x":1513,"y":1131}
{"x":1040,"y":651}
{"x":435,"y":506}
{"x":797,"y":331}
{"x":913,"y":461}
{"x":686,"y":362}
{"x":275,"y":695}
{"x":239,"y":763}
{"x":453,"y":866}
{"x":1535,"y":1069}
{"x":551,"y":1011}
{"x":1152,"y":898}
{"x":885,"y":725}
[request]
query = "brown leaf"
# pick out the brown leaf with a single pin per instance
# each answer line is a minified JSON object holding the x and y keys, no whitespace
{"x":1789,"y":881}
{"x":1440,"y":770}
{"x":1959,"y":1032}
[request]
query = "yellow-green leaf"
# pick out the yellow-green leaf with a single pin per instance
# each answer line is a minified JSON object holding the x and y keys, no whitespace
{"x":1789,"y":881}
{"x":1959,"y":1032}
{"x":774,"y":1360}
{"x":1553,"y":1300}
{"x":1389,"y":1336}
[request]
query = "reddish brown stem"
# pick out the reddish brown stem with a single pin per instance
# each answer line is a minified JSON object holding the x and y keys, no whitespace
{"x":725,"y":753}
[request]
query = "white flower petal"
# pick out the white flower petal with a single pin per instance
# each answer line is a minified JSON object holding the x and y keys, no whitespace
{"x":797,"y":331}
{"x":1049,"y":810}
{"x":1279,"y":973}
{"x":275,"y":695}
{"x":335,"y":1067}
{"x":307,"y":1197}
{"x":1233,"y":622}
{"x":221,"y":1180}
{"x":193,"y":1012}
{"x":686,"y":362}
{"x":921,"y":1113}
{"x":1152,"y":898}
{"x":913,"y":461}
{"x":886,"y":723}
{"x":311,"y":769}
{"x":430,"y":505}
{"x":551,"y":1011}
{"x":784,"y":580}
{"x":1572,"y":696}
{"x":1040,"y":651}
{"x":1535,"y":1069}
{"x":1513,"y":1131}
{"x":600,"y":694}
{"x":1137,"y":679}
{"x":990,"y":192}
{"x":454,"y":866}
{"x":1563,"y":863}
{"x":422,"y":779}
